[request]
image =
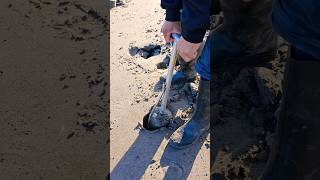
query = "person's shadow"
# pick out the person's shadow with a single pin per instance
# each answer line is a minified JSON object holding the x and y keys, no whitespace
{"x":137,"y":159}
{"x":179,"y":163}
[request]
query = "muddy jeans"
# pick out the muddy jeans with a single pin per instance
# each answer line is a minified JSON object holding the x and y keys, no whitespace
{"x":246,"y":32}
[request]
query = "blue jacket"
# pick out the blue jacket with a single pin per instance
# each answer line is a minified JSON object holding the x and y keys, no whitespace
{"x":298,"y":21}
{"x":193,"y":14}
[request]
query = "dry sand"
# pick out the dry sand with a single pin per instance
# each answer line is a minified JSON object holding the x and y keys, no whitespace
{"x":53,"y":93}
{"x":135,"y":152}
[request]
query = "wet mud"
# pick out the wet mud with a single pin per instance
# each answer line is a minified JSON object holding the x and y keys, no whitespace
{"x":245,"y":101}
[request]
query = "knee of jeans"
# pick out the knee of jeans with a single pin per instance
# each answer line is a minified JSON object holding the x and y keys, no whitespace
{"x":204,"y":58}
{"x":204,"y":72}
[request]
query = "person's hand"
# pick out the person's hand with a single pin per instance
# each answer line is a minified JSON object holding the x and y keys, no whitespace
{"x":187,"y":50}
{"x":168,"y":28}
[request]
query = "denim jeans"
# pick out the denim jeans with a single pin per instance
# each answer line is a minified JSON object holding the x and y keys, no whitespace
{"x":203,"y":63}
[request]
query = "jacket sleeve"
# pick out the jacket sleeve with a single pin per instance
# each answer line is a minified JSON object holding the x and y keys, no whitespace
{"x":172,"y":8}
{"x":195,"y":19}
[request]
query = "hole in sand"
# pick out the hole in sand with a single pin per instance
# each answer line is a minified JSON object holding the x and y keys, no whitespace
{"x":147,"y":51}
{"x":145,"y":122}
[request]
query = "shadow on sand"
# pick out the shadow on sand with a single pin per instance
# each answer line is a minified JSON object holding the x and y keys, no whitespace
{"x":175,"y":163}
{"x":137,"y":159}
{"x":179,"y":163}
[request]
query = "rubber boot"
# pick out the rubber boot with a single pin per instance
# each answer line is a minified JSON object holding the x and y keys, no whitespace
{"x":186,"y":73}
{"x":246,"y":37}
{"x":295,"y":152}
{"x":198,"y":124}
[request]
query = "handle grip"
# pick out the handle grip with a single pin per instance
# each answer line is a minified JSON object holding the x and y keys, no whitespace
{"x":176,"y":36}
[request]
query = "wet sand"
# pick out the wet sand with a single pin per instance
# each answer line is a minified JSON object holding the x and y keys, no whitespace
{"x":53,"y":95}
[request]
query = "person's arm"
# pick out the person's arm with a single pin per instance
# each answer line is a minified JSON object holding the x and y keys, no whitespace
{"x":195,"y":19}
{"x":172,"y":8}
{"x":172,"y":19}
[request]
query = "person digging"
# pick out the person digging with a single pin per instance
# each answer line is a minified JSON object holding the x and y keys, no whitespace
{"x":192,"y":34}
{"x":227,"y":46}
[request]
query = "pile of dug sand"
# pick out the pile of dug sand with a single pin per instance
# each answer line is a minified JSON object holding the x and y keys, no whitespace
{"x":243,"y":123}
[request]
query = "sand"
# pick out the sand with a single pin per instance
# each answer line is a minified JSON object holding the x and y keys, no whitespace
{"x":53,"y":94}
{"x":54,"y":98}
